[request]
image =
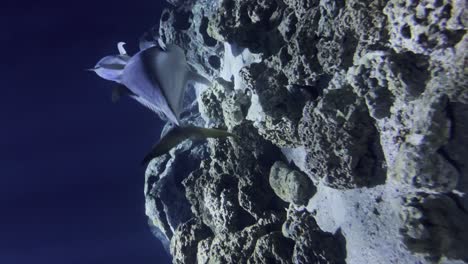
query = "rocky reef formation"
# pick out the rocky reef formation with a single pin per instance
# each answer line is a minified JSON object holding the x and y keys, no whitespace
{"x":351,"y":137}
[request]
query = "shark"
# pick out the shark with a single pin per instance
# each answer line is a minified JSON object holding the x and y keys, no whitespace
{"x":157,"y":78}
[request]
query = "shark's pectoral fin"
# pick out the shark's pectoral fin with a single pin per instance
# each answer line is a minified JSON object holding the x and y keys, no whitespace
{"x":118,"y":91}
{"x":193,"y":76}
{"x":179,"y":134}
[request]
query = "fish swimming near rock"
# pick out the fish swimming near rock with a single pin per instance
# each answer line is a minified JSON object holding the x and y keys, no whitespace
{"x":156,"y":77}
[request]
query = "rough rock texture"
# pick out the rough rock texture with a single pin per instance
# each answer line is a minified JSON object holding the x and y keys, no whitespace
{"x":436,"y":224}
{"x":342,"y":142}
{"x":275,"y":113}
{"x":166,"y":204}
{"x":312,"y":245}
{"x":425,"y":26}
{"x":187,"y":27}
{"x":351,"y":130}
{"x":290,"y":185}
{"x":273,"y":247}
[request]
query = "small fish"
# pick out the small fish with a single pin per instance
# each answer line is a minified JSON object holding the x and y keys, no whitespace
{"x":156,"y":77}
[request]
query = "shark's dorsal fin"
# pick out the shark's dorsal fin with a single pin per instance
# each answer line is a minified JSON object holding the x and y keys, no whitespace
{"x":121,"y":48}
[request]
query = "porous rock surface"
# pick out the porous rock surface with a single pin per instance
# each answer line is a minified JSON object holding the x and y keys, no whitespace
{"x":291,"y":186}
{"x":352,"y":136}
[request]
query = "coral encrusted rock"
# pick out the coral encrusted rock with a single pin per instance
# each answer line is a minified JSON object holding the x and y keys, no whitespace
{"x":351,"y":137}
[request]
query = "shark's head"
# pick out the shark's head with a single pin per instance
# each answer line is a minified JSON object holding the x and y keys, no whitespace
{"x":111,"y":67}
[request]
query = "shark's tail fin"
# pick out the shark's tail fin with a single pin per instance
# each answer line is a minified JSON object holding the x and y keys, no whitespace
{"x":179,"y":134}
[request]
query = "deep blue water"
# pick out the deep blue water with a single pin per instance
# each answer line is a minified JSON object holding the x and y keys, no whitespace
{"x":71,"y":188}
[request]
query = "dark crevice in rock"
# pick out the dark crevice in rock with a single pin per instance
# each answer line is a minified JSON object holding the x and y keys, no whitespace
{"x":322,"y":83}
{"x":369,"y":165}
{"x":456,"y":199}
{"x":414,"y":70}
{"x":215,"y":62}
{"x":341,"y":239}
{"x":163,"y":218}
{"x":446,"y":11}
{"x":164,"y":38}
{"x":189,"y":164}
{"x":454,"y":151}
{"x":284,"y":56}
{"x":183,"y":20}
{"x":406,"y":31}
{"x":443,"y":152}
{"x":454,"y":36}
{"x":150,"y":182}
{"x":165,"y":16}
{"x":274,"y":42}
{"x":312,"y":91}
{"x":207,"y":39}
{"x":292,"y":27}
{"x":349,"y":43}
{"x":276,"y":204}
{"x":245,"y":219}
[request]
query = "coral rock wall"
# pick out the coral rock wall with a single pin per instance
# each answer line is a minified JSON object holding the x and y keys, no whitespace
{"x":352,"y":137}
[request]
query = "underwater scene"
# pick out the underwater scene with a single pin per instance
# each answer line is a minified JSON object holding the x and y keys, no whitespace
{"x":242,"y":131}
